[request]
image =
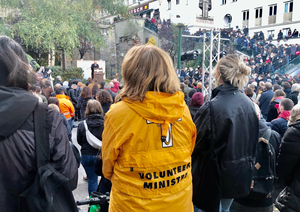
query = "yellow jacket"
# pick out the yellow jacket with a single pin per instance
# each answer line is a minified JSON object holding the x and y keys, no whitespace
{"x":146,"y":153}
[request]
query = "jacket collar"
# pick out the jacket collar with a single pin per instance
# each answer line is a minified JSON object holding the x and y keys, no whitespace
{"x":61,"y":96}
{"x":224,"y":88}
{"x":285,"y":115}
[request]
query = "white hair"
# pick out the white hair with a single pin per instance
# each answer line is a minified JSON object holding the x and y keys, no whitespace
{"x":295,"y":87}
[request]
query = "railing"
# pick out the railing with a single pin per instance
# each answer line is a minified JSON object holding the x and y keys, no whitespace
{"x":151,"y":26}
{"x":295,"y":63}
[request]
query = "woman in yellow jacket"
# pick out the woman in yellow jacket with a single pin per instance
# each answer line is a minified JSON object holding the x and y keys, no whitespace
{"x":149,"y":137}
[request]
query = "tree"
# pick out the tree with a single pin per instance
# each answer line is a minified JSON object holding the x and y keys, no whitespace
{"x":58,"y":25}
{"x":168,"y":36}
{"x":151,"y":41}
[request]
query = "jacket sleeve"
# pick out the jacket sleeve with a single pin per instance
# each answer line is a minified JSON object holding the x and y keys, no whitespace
{"x":80,"y":133}
{"x":111,"y":143}
{"x":62,"y":157}
{"x":262,"y":99}
{"x":289,"y":156}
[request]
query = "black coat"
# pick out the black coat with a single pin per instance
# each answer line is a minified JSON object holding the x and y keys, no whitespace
{"x":95,"y":123}
{"x":265,"y":100}
{"x":294,"y":97}
{"x":272,"y":111}
{"x":236,"y":136}
{"x":287,"y":92}
{"x":105,"y":107}
{"x":288,"y":169}
{"x":81,"y":105}
{"x":279,"y":125}
{"x":193,"y":110}
{"x":17,"y":146}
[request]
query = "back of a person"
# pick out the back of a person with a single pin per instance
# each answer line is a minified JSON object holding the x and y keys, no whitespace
{"x":149,"y":137}
{"x":145,"y":169}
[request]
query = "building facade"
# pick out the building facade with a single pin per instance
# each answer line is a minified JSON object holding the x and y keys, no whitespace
{"x":268,"y":16}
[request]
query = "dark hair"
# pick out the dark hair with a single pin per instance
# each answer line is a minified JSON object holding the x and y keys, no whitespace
{"x":38,"y":89}
{"x":248,"y":92}
{"x":103,"y":96}
{"x":276,"y":87}
{"x":287,"y":104}
{"x":102,"y":84}
{"x":32,"y":88}
{"x":53,"y":100}
{"x":286,"y":85}
{"x":95,"y":90}
{"x":60,"y":90}
{"x":86,"y":93}
{"x":14,"y":68}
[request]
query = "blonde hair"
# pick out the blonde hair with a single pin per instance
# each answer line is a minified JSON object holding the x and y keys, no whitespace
{"x":93,"y":107}
{"x":54,"y":106}
{"x":147,"y":68}
{"x":295,"y":114}
{"x":233,"y":70}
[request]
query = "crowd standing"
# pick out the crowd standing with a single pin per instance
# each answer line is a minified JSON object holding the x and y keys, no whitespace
{"x":158,"y":143}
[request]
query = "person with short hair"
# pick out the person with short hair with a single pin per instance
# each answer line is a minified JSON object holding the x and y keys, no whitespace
{"x":39,"y":93}
{"x":273,"y":111}
{"x":265,"y":99}
{"x":286,"y":88}
{"x":288,"y":164}
{"x":65,"y":105}
{"x":197,"y":101}
{"x":280,"y":124}
{"x":149,"y":137}
{"x":58,"y":81}
{"x":229,"y":123}
{"x":295,"y":93}
{"x":107,"y":87}
{"x":105,"y":100}
{"x":95,"y":123}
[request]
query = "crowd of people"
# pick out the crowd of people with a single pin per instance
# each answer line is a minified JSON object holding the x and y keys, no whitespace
{"x":158,"y":144}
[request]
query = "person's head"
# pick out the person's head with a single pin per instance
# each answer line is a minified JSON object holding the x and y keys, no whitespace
{"x":268,"y":86}
{"x":248,"y":92}
{"x":95,"y":62}
{"x":58,"y":78}
{"x":93,"y":107}
{"x":104,"y":97}
{"x":32,"y":88}
{"x":54,"y":106}
{"x":14,"y":68}
{"x":232,"y":69}
{"x":295,"y":87}
{"x":89,"y":79}
{"x":86,"y":93}
{"x":286,"y":85}
{"x":74,"y":86}
{"x":199,"y":85}
{"x":107,"y":86}
{"x":94,"y":90}
{"x":286,"y":104}
{"x":60,"y":90}
{"x":102,"y":84}
{"x":276,"y":87}
{"x":95,"y":81}
{"x":53,"y":100}
{"x":38,"y":89}
{"x":147,"y":68}
{"x":278,"y":93}
{"x":197,"y":99}
{"x":295,"y":114}
{"x":252,"y":87}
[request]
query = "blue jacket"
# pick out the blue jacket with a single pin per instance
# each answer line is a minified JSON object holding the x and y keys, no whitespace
{"x":264,"y":101}
{"x":280,"y":125}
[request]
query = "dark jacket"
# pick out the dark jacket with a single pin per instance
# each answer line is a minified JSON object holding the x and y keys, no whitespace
{"x":95,"y":123}
{"x":294,"y":97}
{"x":275,"y":140}
{"x":81,"y":105}
{"x":264,"y":101}
{"x":272,"y":111}
{"x":279,"y":125}
{"x":73,"y":97}
{"x":194,"y":110}
{"x":113,"y":95}
{"x":288,"y":169}
{"x":67,"y":126}
{"x":236,"y":135}
{"x":287,"y":92}
{"x":105,"y":107}
{"x":17,"y":146}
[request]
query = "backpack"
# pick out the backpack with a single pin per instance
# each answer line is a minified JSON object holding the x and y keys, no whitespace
{"x":50,"y":191}
{"x":264,"y":170}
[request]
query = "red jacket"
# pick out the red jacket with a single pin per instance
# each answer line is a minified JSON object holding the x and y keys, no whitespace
{"x":115,"y":89}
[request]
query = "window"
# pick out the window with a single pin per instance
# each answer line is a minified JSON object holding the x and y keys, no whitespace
{"x":223,"y":1}
{"x":169,"y":4}
{"x":271,"y":32}
{"x":234,"y":0}
{"x":285,"y":31}
{"x":258,"y":12}
{"x":272,"y":10}
{"x":187,"y":2}
{"x":288,"y":7}
{"x":177,"y":1}
{"x":245,"y":15}
{"x":133,"y":1}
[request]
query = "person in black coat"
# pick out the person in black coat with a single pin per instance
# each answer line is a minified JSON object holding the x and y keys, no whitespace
{"x":196,"y":102}
{"x":95,"y":124}
{"x":265,"y":99}
{"x":247,"y":204}
{"x":227,"y":135}
{"x":286,"y":88}
{"x":272,"y":111}
{"x":288,"y":165}
{"x":105,"y":100}
{"x":295,"y":93}
{"x":83,"y":99}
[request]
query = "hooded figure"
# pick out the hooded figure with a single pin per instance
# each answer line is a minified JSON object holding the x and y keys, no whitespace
{"x":196,"y":102}
{"x":149,"y":137}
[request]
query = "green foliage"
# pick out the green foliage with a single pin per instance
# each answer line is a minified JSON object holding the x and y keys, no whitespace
{"x":151,"y":41}
{"x":58,"y":25}
{"x":67,"y":74}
